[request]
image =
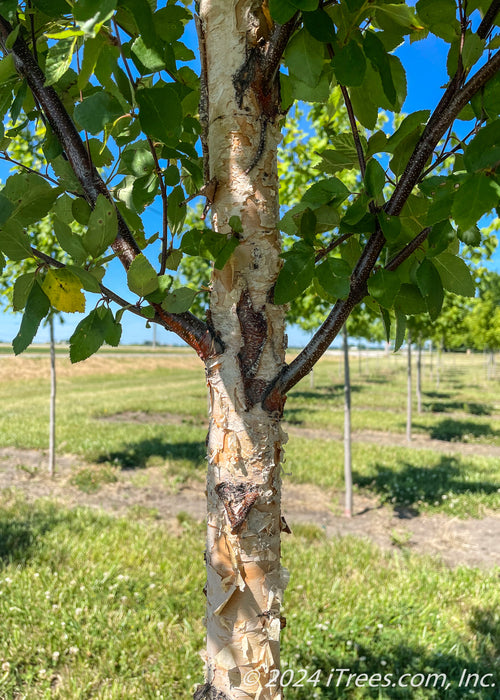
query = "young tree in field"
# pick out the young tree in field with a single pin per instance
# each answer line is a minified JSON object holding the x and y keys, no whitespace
{"x":122,"y":125}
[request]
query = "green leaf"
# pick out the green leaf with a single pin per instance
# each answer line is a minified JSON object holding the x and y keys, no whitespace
{"x":472,"y":50}
{"x":88,"y":337}
{"x":91,"y":50}
{"x":376,"y":53}
{"x":455,"y":275}
{"x":6,"y":209}
{"x":431,"y":287}
{"x":295,"y":275}
{"x":97,"y":110}
{"x":102,"y":227}
{"x":160,"y":113}
{"x":400,"y":14}
{"x":390,"y":225}
{"x":137,"y":159}
{"x":484,"y":149}
{"x":164,"y":284}
{"x":470,"y":236}
{"x":141,"y":276}
{"x":176,"y":213}
{"x":400,"y":329}
{"x":87,"y":280}
{"x":37,"y":307}
{"x":191,"y":240}
{"x":383,"y":287}
{"x":334,"y":276}
{"x":374,"y":178}
{"x":386,"y":321}
{"x":476,"y":196}
{"x":90,"y":15}
{"x":329,"y":191}
{"x":81,"y":211}
{"x":63,"y":289}
{"x":319,"y":25}
{"x":343,"y":156}
{"x":410,"y":300}
{"x":180,"y":300}
{"x":307,"y":228}
{"x":225,"y":252}
{"x":281,"y":10}
{"x":14,"y":242}
{"x":22,"y":288}
{"x":235,"y":224}
{"x":349,"y":64}
{"x":58,"y":60}
{"x":71,"y":242}
{"x":148,"y":59}
{"x":440,"y":17}
{"x":305,"y":5}
{"x":304,"y":57}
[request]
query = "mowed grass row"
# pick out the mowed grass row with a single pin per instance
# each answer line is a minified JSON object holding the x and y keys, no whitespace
{"x":99,"y":607}
{"x":132,"y":417}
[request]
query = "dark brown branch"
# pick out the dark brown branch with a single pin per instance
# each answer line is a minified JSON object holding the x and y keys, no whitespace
{"x":433,"y":132}
{"x":331,"y":246}
{"x":190,"y":328}
{"x":186,"y":325}
{"x":435,"y":129}
{"x":277,"y":45}
{"x":124,"y":246}
{"x":354,"y":129}
{"x":409,"y":248}
{"x":489,"y":18}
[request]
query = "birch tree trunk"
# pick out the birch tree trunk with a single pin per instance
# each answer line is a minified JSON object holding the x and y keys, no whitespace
{"x":52,"y":416}
{"x":245,"y":581}
{"x":347,"y":426}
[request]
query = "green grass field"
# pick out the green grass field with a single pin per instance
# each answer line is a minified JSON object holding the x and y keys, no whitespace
{"x":96,"y":606}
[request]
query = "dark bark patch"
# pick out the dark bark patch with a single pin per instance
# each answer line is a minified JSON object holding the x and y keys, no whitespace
{"x":208,"y":692}
{"x":284,"y":527}
{"x":238,"y":500}
{"x":253,"y":324}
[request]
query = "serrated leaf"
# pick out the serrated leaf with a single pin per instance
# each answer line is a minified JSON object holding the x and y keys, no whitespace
{"x":470,"y":236}
{"x":377,"y":55}
{"x":22,"y":288}
{"x":295,"y":275}
{"x":174,"y":258}
{"x":320,"y":25}
{"x":400,"y":329}
{"x":476,"y":196}
{"x":97,"y":110}
{"x":235,"y":224}
{"x":176,"y":211}
{"x":383,"y":287}
{"x":225,"y":252}
{"x":281,"y":10}
{"x":81,"y":211}
{"x":431,"y":287}
{"x":349,"y":64}
{"x":90,"y":15}
{"x":179,"y":300}
{"x":386,"y":321}
{"x":304,"y":57}
{"x":472,"y":49}
{"x":484,"y":149}
{"x":87,"y":280}
{"x":390,"y":225}
{"x":58,"y":59}
{"x":160,"y":112}
{"x":14,"y":242}
{"x":401,"y":14}
{"x":88,"y":337}
{"x":374,"y":178}
{"x":334,"y":275}
{"x":102,"y":227}
{"x":141,"y":276}
{"x":455,"y":275}
{"x":63,"y":289}
{"x":37,"y":307}
{"x":70,"y":242}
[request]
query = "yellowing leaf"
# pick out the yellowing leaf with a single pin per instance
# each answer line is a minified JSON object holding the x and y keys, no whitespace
{"x":63,"y":289}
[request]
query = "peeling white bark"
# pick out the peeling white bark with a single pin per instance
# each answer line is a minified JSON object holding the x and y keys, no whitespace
{"x":245,"y":581}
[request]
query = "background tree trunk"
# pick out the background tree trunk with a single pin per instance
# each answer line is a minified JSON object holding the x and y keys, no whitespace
{"x":52,"y":417}
{"x":245,"y":581}
{"x":347,"y":426}
{"x":419,"y":375}
{"x":409,"y":397}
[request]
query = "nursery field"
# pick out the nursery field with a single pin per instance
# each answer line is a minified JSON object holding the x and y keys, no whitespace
{"x":101,"y":569}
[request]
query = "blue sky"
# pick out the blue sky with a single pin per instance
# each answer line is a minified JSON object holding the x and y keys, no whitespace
{"x":425,"y":63}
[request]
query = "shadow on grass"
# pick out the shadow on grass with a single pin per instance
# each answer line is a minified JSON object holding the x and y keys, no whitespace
{"x":136,"y":455}
{"x":452,"y":430}
{"x":437,"y":394}
{"x":411,"y":486}
{"x":475,"y":409}
{"x":22,"y":528}
{"x":425,"y":673}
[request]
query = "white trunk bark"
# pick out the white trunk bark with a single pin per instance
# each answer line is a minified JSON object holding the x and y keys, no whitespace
{"x":419,"y":376}
{"x":245,"y":581}
{"x":52,"y":417}
{"x":347,"y":426}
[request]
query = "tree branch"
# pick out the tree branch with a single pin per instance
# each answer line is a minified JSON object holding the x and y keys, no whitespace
{"x":331,"y":246}
{"x":409,"y":248}
{"x":276,"y":47}
{"x":435,"y":129}
{"x":186,"y":325}
{"x":489,"y":18}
